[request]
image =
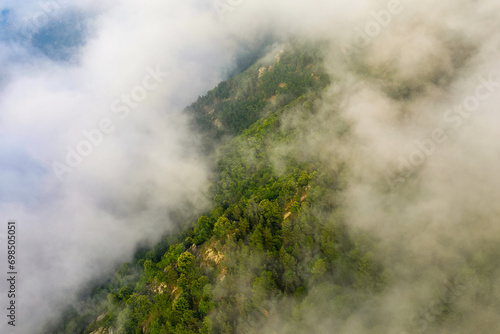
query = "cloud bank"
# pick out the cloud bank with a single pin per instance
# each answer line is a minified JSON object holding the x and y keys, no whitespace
{"x":419,"y":86}
{"x":95,"y":153}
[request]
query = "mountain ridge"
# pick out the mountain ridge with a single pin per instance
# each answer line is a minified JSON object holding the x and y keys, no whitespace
{"x":275,"y":234}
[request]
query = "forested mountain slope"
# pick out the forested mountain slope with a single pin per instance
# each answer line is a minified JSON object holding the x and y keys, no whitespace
{"x":274,"y":243}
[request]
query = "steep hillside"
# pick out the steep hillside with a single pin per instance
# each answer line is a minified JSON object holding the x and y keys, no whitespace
{"x":274,"y":242}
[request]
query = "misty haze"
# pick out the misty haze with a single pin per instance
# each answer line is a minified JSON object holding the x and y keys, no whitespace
{"x":237,"y":166}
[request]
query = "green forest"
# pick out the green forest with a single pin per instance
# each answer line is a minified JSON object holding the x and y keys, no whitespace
{"x":274,"y":242}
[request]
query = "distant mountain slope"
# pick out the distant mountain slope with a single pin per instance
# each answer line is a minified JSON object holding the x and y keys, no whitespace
{"x":263,"y":88}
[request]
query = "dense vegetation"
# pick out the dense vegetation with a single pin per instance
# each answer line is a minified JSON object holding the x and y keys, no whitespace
{"x":274,"y":242}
